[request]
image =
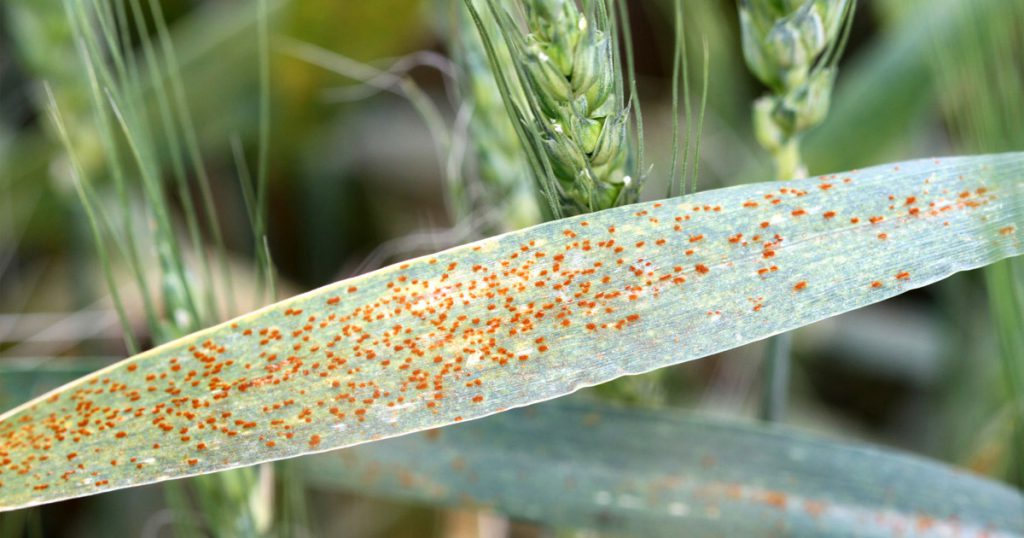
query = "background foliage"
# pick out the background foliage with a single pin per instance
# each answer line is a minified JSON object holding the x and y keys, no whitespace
{"x":355,"y":182}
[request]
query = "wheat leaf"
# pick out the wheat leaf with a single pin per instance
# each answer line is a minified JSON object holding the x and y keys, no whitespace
{"x":646,"y":473}
{"x":512,"y":320}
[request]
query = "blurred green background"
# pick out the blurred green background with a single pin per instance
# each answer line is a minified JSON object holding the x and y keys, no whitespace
{"x":354,"y":182}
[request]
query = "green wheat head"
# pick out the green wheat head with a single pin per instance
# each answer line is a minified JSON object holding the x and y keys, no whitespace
{"x":562,"y":85}
{"x":792,"y":47}
{"x":503,"y":171}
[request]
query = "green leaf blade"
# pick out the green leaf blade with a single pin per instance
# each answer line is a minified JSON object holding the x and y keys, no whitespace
{"x":653,"y":473}
{"x":512,"y":320}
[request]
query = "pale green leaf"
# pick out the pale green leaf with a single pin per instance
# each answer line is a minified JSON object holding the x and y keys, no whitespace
{"x":654,"y":473}
{"x":513,"y":320}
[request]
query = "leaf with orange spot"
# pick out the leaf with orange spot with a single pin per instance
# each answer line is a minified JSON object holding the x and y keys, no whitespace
{"x":649,"y":473}
{"x":355,"y":361}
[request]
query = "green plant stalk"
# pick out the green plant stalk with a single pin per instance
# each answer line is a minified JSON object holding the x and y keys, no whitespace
{"x":787,"y":161}
{"x":777,"y":359}
{"x":792,"y":47}
{"x":259,"y":225}
{"x":700,"y":117}
{"x":776,"y":377}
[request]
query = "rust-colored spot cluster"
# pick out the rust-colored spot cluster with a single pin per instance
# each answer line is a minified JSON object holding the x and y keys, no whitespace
{"x":427,"y":333}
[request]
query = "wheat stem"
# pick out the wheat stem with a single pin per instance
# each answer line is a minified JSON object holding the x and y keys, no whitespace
{"x":792,"y":46}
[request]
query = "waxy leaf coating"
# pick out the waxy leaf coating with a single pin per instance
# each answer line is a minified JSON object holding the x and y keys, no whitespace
{"x":512,"y":320}
{"x":632,"y":472}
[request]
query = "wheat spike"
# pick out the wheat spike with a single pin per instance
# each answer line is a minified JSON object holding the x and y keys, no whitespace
{"x":792,"y":46}
{"x":564,"y":82}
